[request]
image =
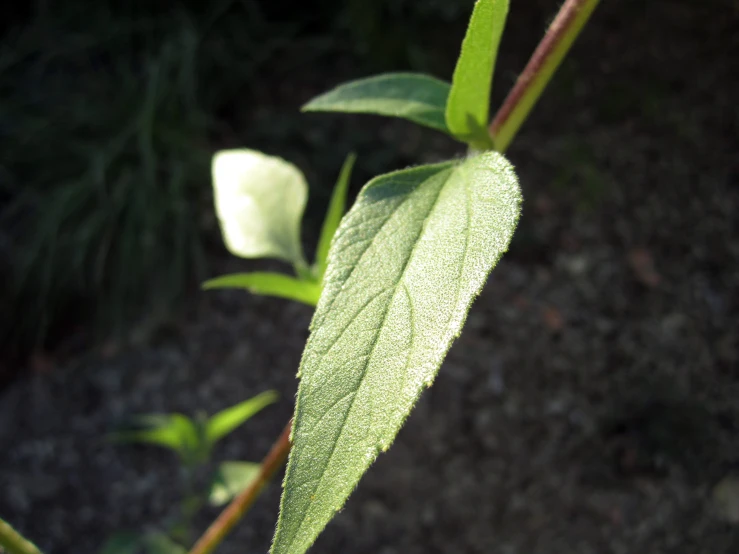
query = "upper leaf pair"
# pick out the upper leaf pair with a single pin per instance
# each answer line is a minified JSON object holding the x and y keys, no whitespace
{"x":460,"y":109}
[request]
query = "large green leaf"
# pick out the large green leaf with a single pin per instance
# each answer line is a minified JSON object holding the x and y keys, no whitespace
{"x":469,"y":100}
{"x":336,"y":209}
{"x":414,"y":96}
{"x":269,"y":284}
{"x":405,"y":265}
{"x":222,"y":423}
{"x":230,"y":480}
{"x":260,"y":201}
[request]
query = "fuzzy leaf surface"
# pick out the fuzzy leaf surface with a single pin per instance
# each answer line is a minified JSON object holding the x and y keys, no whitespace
{"x":413,"y":96}
{"x":469,"y":100}
{"x":404,"y":267}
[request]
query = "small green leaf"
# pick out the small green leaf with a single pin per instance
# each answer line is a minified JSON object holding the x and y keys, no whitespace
{"x":231,"y":479}
{"x":269,"y":284}
{"x":469,"y":100}
{"x":260,"y":201}
{"x":404,"y":267}
{"x":222,"y":423}
{"x":159,"y":543}
{"x":336,"y":209}
{"x":122,"y":543}
{"x":173,"y":431}
{"x":414,"y":96}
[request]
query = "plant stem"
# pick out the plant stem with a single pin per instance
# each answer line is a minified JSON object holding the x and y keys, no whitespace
{"x":238,"y":507}
{"x":538,"y":72}
{"x":13,"y":542}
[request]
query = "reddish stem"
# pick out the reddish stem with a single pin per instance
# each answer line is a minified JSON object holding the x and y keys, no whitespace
{"x":239,"y":505}
{"x":554,"y":35}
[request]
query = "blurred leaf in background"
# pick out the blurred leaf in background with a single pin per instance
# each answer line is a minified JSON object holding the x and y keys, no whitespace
{"x":226,"y":421}
{"x":175,"y":432}
{"x":191,"y":439}
{"x":230,"y":479}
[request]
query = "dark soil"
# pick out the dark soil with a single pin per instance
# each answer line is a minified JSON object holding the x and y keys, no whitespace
{"x":592,"y":403}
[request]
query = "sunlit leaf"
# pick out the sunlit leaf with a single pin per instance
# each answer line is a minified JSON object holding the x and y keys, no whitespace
{"x":230,"y":480}
{"x":269,"y":284}
{"x":404,"y":267}
{"x":260,"y":201}
{"x":469,"y":100}
{"x":336,"y":209}
{"x":413,"y":96}
{"x":222,"y":423}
